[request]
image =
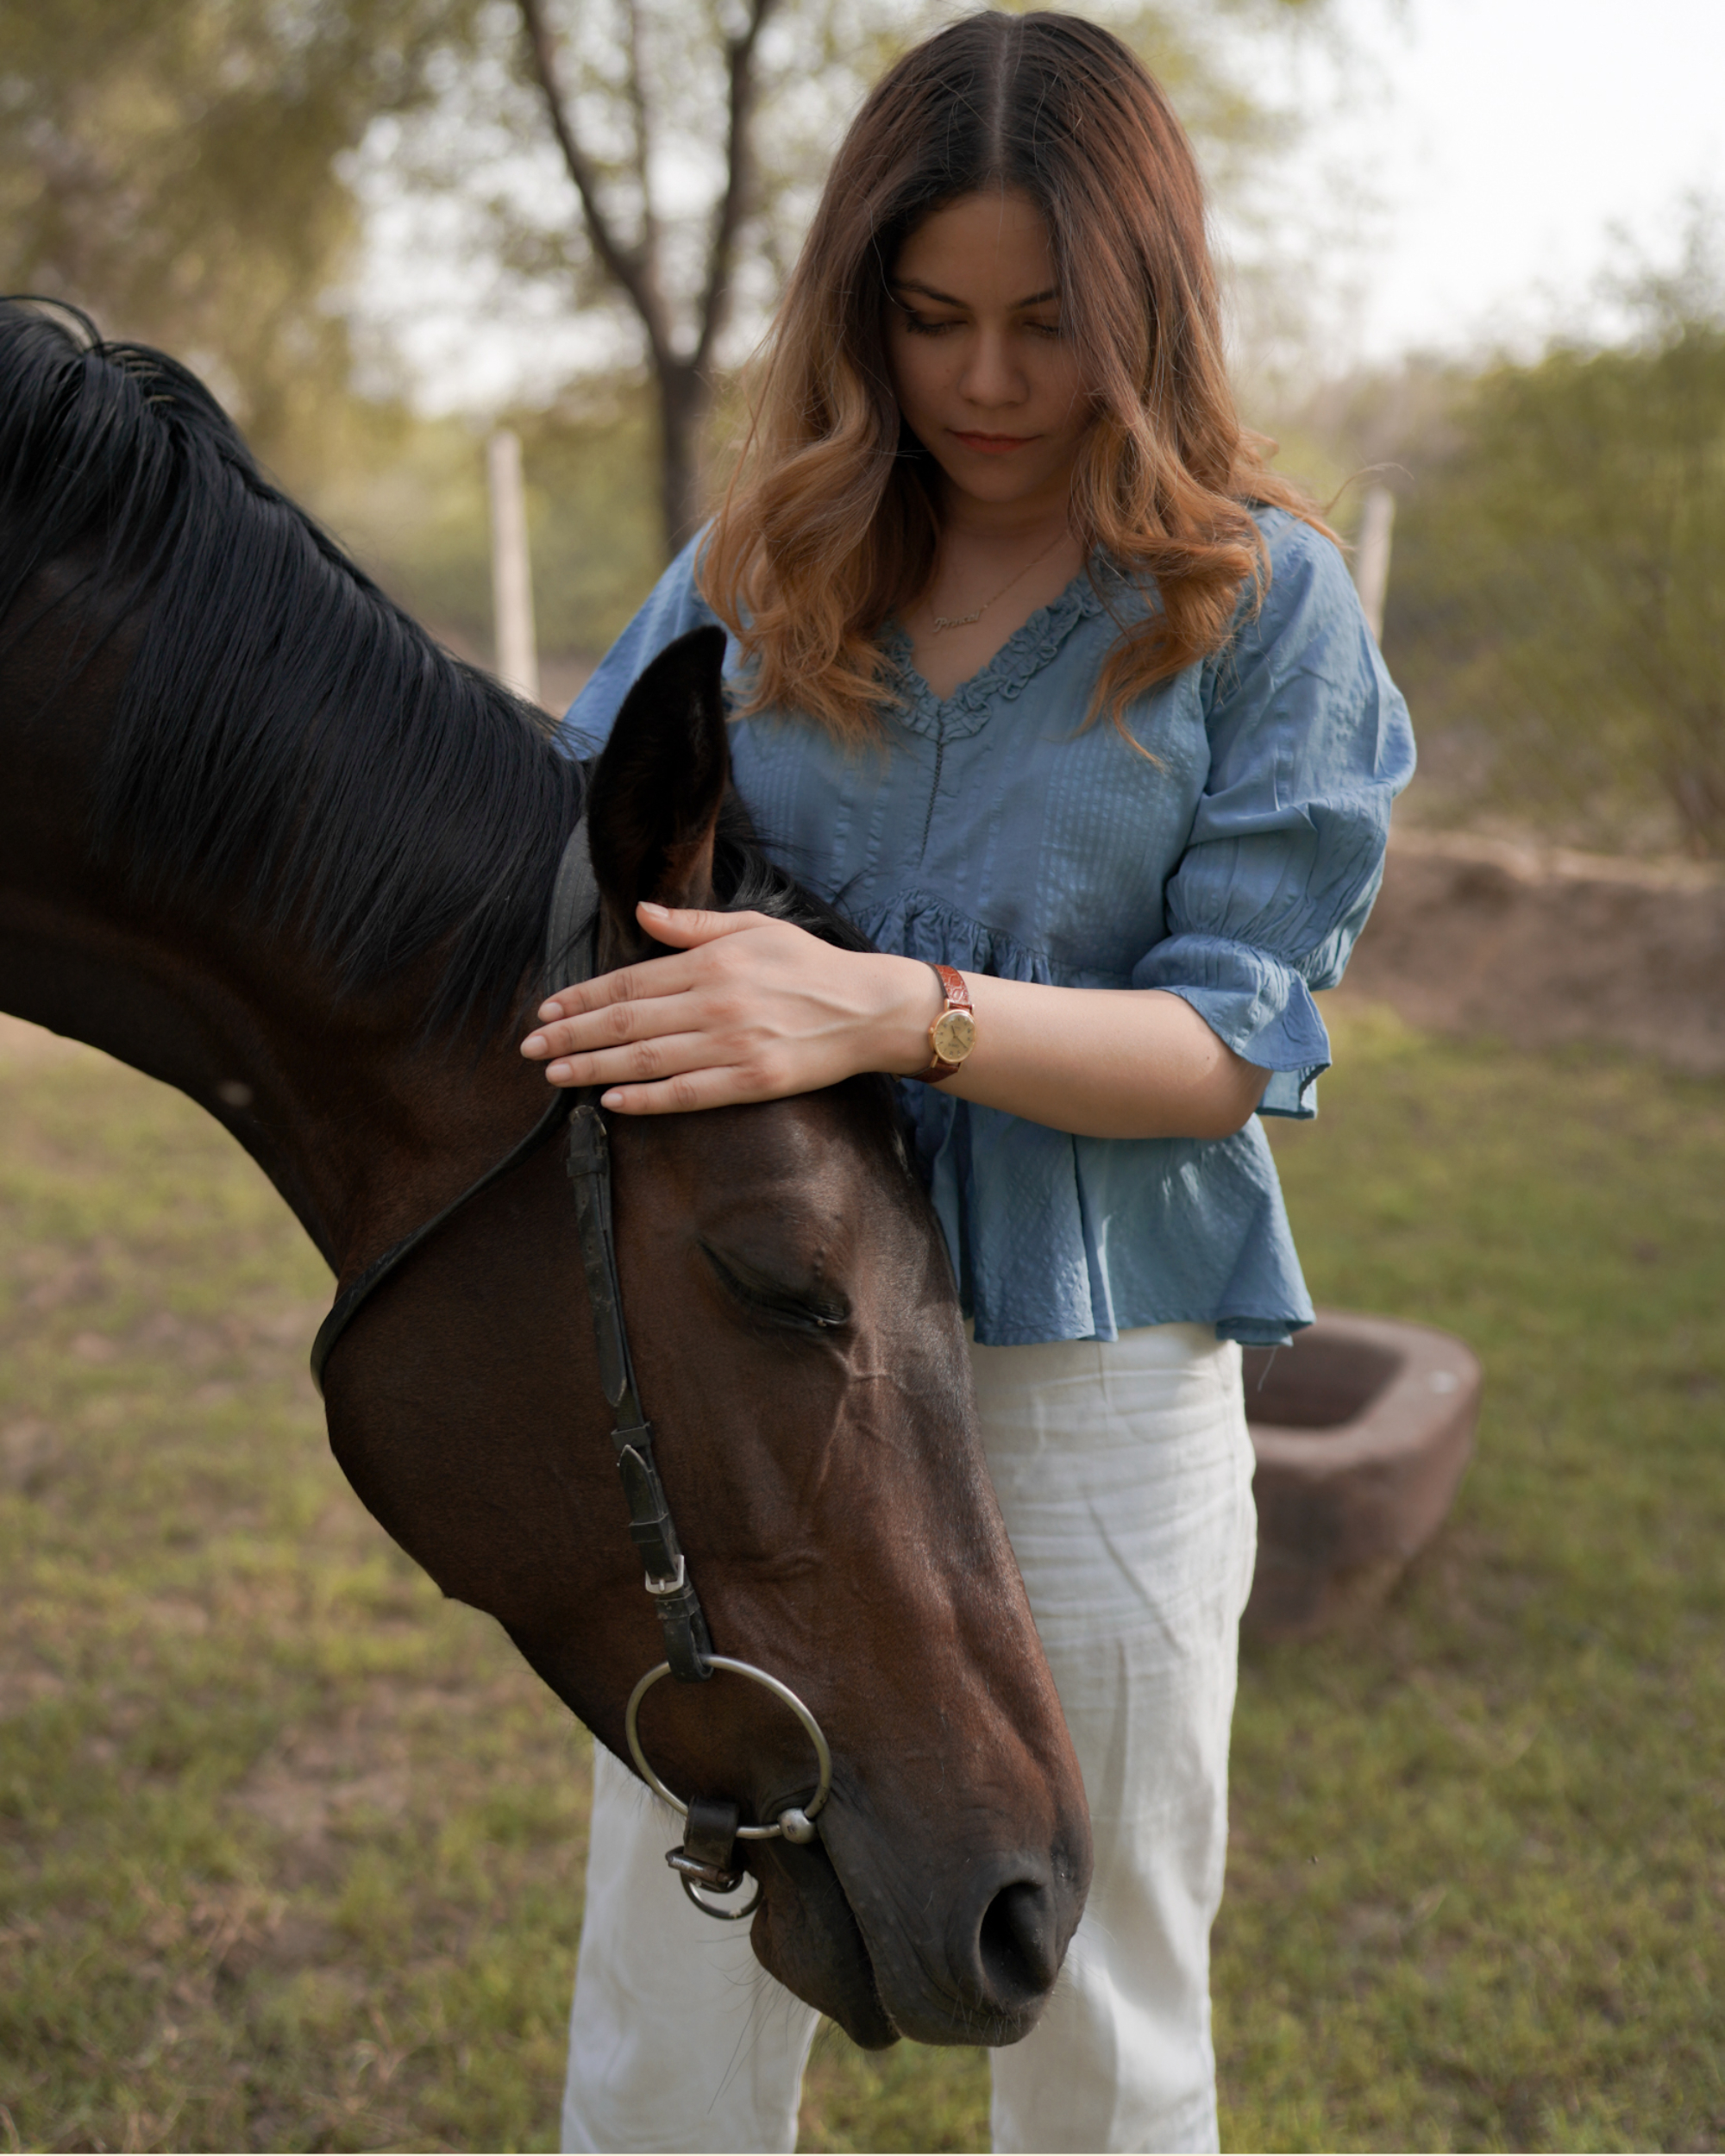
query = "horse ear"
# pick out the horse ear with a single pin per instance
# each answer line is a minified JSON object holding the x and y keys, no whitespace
{"x":654,"y":801}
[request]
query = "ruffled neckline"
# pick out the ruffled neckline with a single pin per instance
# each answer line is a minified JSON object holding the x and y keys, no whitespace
{"x":1025,"y":652}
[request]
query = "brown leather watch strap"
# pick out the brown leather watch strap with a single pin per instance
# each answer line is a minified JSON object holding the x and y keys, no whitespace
{"x":953,"y":1034}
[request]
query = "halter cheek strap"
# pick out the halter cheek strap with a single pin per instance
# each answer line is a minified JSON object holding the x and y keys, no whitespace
{"x":688,"y":1645}
{"x":706,"y":1859}
{"x":571,"y":938}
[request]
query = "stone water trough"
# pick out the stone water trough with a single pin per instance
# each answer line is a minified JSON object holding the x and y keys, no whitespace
{"x":1362,"y":1429}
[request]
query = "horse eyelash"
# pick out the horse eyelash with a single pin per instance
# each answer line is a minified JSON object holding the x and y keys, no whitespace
{"x":795,"y":1315}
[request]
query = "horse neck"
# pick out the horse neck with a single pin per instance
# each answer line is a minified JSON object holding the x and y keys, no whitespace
{"x":363,"y":1129}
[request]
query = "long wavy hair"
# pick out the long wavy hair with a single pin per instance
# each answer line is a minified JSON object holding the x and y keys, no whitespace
{"x":831,"y":522}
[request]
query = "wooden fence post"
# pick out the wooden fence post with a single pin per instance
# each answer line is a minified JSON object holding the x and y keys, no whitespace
{"x":1371,"y":557}
{"x":517,"y":652}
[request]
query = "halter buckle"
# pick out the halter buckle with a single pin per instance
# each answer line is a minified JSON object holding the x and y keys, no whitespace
{"x":673,"y":1582}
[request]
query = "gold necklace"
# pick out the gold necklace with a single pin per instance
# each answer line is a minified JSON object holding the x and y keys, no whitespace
{"x":963,"y":620}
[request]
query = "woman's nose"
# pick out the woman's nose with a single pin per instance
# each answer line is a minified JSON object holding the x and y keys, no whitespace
{"x":990,"y":376}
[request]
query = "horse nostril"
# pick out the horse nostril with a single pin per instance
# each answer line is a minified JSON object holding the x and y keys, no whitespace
{"x":1019,"y":1957}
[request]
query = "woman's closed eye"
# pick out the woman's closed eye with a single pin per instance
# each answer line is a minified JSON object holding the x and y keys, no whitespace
{"x":922,"y":325}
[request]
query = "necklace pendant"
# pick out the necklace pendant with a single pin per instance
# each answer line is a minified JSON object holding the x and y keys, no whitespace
{"x":958,"y":621}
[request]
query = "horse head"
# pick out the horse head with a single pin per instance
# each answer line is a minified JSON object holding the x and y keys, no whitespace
{"x":254,"y":828}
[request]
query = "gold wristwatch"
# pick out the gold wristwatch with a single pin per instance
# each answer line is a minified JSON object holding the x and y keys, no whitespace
{"x":953,"y":1035}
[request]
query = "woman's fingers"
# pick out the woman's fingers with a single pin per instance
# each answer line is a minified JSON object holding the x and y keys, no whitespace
{"x":741,"y":1008}
{"x":720,"y":1087}
{"x":687,"y":927}
{"x":609,"y":1025}
{"x":664,"y":1055}
{"x":674,"y":1070}
{"x":653,"y":978}
{"x":681,"y":928}
{"x":654,"y":997}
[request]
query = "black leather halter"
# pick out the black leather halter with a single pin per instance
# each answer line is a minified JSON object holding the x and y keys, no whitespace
{"x":571,"y":936}
{"x":571,"y":955}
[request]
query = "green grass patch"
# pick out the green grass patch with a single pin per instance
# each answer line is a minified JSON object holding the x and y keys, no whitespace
{"x":1476,"y":1884}
{"x":291,"y":1849}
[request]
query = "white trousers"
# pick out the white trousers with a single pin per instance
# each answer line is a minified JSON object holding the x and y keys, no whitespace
{"x":1124,"y":1470}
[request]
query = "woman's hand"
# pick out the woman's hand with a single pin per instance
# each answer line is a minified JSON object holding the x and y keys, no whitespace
{"x":749,"y":1008}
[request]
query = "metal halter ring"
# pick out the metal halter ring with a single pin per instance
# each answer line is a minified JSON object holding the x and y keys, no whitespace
{"x":795,"y":1822}
{"x":693,"y":1888}
{"x":729,"y":1916}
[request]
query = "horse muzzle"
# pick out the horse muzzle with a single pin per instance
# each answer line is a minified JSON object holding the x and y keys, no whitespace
{"x":960,"y":1945}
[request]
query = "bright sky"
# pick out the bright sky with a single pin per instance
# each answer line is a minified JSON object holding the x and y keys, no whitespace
{"x":1514,"y":133}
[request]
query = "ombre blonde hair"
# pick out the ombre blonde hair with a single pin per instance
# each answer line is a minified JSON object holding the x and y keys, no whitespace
{"x":830,"y":524}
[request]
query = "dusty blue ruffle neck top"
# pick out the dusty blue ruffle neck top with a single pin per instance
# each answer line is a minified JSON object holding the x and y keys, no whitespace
{"x":997,"y":834}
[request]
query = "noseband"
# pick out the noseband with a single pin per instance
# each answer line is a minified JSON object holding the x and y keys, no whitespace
{"x":707,"y":1856}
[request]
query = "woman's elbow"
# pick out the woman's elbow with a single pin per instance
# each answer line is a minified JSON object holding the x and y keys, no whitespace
{"x":1229,"y":1098}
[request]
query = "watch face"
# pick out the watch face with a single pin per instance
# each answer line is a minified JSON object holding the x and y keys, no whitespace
{"x":954,"y":1035}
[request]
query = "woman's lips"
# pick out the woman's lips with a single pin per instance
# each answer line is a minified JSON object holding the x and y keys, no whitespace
{"x":994,"y":445}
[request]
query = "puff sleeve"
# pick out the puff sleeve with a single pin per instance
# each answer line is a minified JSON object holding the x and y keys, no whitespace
{"x":1309,"y":742}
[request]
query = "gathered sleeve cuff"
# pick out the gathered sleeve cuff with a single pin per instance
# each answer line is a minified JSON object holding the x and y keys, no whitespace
{"x":1309,"y":743}
{"x":1259,"y":1005}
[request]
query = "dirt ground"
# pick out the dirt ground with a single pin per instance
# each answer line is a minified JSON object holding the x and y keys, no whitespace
{"x":1540,"y":945}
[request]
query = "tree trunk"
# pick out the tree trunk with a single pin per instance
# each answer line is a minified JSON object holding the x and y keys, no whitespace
{"x":685,"y":401}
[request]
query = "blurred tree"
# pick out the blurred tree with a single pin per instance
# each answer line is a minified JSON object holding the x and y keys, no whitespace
{"x":1559,"y":573}
{"x":197,"y":172}
{"x":693,"y":136}
{"x":174,"y":167}
{"x":633,"y":254}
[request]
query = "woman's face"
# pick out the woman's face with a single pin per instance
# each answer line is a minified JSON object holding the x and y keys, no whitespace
{"x":988,"y":382}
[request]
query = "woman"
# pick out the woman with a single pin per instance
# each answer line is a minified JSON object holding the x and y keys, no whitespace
{"x":1041,"y":675}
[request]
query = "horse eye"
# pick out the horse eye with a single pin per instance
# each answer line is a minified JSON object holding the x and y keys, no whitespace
{"x":778,"y":1303}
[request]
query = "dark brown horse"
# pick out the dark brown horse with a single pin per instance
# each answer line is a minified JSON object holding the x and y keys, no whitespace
{"x":261,"y":839}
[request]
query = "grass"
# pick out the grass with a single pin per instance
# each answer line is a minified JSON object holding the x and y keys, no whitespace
{"x":291,"y":1849}
{"x":1477,"y":1892}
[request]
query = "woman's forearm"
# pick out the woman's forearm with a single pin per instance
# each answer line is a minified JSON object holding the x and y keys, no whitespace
{"x":750,"y":1009}
{"x":1102,"y":1062}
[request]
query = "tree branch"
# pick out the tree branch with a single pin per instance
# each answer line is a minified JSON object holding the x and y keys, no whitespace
{"x":643,"y":133}
{"x":715,"y":304}
{"x":633,"y":268}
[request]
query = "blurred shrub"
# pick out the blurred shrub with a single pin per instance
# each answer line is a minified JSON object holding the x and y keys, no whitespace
{"x":175,"y":167}
{"x":1557,"y":595}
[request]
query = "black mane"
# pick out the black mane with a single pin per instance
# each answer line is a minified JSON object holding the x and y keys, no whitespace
{"x":289,"y":747}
